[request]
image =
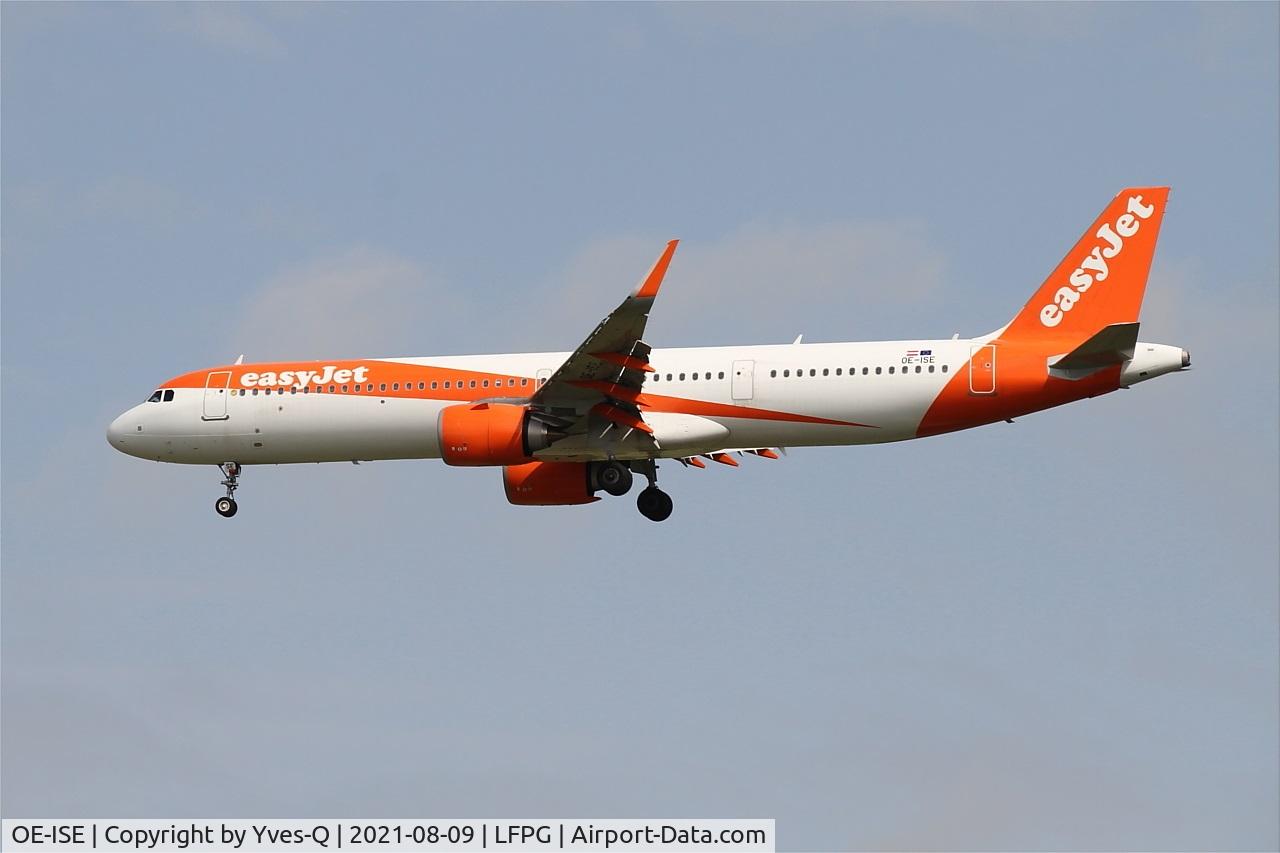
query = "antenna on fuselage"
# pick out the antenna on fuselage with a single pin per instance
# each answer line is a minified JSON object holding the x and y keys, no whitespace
{"x":240,"y":360}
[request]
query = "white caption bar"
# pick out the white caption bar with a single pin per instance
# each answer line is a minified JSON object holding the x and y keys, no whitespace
{"x":386,"y":836}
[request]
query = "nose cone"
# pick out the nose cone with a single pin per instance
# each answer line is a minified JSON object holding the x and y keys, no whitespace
{"x":117,"y":430}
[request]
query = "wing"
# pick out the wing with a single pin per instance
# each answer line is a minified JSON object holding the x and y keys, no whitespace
{"x":593,"y":398}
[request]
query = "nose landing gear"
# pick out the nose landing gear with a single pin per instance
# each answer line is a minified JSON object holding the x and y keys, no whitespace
{"x":226,"y":506}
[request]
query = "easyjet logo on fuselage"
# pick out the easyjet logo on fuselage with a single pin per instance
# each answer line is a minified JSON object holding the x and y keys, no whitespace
{"x":1094,"y":267}
{"x":302,"y":378}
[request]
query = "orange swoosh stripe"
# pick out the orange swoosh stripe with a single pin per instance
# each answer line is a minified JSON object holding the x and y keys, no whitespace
{"x":610,"y":389}
{"x":679,"y":405}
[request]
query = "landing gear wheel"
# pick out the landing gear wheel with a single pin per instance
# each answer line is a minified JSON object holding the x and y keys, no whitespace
{"x":614,"y":478}
{"x":654,"y":504}
{"x":226,"y":507}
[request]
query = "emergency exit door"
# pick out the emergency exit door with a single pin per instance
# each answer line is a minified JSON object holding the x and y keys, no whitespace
{"x":743,"y":380}
{"x":982,"y":370}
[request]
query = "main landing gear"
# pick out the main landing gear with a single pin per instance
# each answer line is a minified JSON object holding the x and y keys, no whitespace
{"x":616,"y":479}
{"x":613,"y":477}
{"x":653,"y":503}
{"x":226,"y":506}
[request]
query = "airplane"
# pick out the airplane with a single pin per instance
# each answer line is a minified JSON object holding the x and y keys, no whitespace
{"x":564,"y":426}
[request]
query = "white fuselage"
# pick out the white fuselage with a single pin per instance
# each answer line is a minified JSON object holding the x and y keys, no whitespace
{"x":764,"y":396}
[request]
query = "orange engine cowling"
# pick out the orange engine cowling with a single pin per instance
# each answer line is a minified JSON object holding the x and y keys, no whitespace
{"x":547,"y":484}
{"x":490,"y":434}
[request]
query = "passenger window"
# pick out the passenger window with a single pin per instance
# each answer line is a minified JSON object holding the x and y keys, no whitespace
{"x":473,"y":383}
{"x":813,"y":372}
{"x":332,"y":389}
{"x":255,"y":392}
{"x":382,"y":386}
{"x":511,"y":383}
{"x":773,"y":374}
{"x":681,"y":377}
{"x":786,"y":373}
{"x":668,"y":377}
{"x":722,"y":374}
{"x":369,"y":387}
{"x":306,"y":389}
{"x":931,"y":368}
{"x":524,"y":382}
{"x":917,"y":368}
{"x":657,"y":377}
{"x":891,"y":368}
{"x":433,"y":386}
{"x":485,"y":383}
{"x":395,"y":386}
{"x":944,"y":368}
{"x":864,"y":371}
{"x":877,"y":371}
{"x":695,"y":376}
{"x":826,"y":371}
{"x":344,"y":389}
{"x":838,"y":369}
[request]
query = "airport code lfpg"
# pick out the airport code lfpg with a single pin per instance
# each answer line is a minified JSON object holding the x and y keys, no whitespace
{"x":297,"y":835}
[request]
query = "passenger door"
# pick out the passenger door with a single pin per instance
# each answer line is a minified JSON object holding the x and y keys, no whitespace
{"x":215,"y":395}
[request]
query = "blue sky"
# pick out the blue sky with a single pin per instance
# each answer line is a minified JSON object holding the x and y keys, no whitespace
{"x":1060,"y":634}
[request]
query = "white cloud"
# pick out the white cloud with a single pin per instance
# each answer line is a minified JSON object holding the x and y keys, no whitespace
{"x":779,"y":22}
{"x":132,"y":197}
{"x":114,"y":198}
{"x":759,"y":281}
{"x":226,"y":26}
{"x":1235,"y":37}
{"x":360,"y":302}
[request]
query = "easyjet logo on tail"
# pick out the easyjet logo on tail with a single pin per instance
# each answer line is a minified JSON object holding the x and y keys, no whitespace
{"x":1094,"y":268}
{"x":302,"y":378}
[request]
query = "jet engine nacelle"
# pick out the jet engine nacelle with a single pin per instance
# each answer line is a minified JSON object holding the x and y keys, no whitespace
{"x":548,"y":483}
{"x":490,"y":434}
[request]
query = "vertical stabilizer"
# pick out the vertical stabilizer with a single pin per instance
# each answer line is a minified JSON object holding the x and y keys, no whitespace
{"x":1101,"y":280}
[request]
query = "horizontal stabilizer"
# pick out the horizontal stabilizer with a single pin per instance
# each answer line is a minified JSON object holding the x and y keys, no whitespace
{"x":1113,"y":345}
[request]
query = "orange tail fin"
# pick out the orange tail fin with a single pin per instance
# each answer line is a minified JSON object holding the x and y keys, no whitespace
{"x":1101,"y":280}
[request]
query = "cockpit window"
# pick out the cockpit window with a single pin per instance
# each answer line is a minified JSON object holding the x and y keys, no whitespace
{"x":154,"y":398}
{"x":168,"y":395}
